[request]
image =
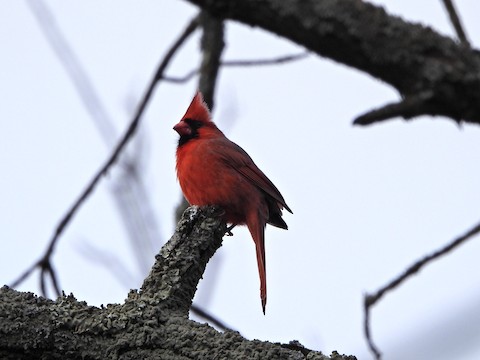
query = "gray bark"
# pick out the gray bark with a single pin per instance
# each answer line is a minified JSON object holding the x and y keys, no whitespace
{"x":434,"y":74}
{"x":152,"y":323}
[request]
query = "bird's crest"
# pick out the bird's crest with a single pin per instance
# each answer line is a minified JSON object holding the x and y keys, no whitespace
{"x":198,"y":109}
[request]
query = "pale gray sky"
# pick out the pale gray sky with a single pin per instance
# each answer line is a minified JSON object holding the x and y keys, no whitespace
{"x":367,"y":202}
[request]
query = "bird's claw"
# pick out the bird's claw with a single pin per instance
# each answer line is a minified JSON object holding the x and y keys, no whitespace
{"x":228,"y":232}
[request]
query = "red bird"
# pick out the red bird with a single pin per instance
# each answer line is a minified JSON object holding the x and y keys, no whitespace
{"x":213,"y":170}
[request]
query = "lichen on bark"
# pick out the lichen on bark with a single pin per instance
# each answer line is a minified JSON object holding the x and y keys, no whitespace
{"x":152,"y":323}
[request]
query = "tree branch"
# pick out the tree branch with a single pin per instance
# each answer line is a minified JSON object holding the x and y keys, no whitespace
{"x":407,"y":108}
{"x":45,"y":261}
{"x":152,"y":323}
{"x":174,"y":277}
{"x":266,"y":62}
{"x":372,"y":299}
{"x":212,"y":45}
{"x":127,"y":190}
{"x":241,"y":63}
{"x":412,"y":58}
{"x":457,"y":24}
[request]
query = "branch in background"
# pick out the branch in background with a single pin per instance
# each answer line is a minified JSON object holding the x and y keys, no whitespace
{"x":128,"y":189}
{"x":372,"y":299}
{"x":241,"y":63}
{"x":136,"y":208}
{"x":110,"y":262}
{"x":366,"y":330}
{"x":412,"y":58}
{"x":75,"y":71}
{"x":212,"y":45}
{"x":457,"y":24}
{"x":210,"y":318}
{"x":45,"y":261}
{"x":262,"y":62}
{"x":407,"y":108}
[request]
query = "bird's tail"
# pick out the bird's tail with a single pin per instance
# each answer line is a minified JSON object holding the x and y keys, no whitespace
{"x":257,"y":230}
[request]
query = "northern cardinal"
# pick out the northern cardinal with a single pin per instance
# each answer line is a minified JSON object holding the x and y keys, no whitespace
{"x":213,"y":170}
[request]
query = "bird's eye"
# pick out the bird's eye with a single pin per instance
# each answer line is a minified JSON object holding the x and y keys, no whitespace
{"x":194,"y":124}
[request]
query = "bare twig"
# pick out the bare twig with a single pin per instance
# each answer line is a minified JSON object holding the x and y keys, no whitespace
{"x":113,"y":264}
{"x":210,"y":318}
{"x":74,"y":69}
{"x":262,"y":62}
{"x":407,"y":108}
{"x":128,"y":189}
{"x":372,"y":299}
{"x":457,"y":24}
{"x":366,"y":329}
{"x":240,"y":63}
{"x":45,"y":263}
{"x":181,"y":80}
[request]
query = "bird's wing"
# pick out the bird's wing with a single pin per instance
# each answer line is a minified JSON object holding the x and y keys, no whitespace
{"x":238,"y":159}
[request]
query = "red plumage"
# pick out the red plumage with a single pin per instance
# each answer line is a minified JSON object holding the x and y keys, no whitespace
{"x":213,"y":170}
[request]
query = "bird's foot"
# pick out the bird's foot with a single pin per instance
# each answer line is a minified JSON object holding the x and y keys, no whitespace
{"x":229,"y":230}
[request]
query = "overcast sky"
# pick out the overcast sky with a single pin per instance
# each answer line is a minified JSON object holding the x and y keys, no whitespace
{"x":367,"y":202}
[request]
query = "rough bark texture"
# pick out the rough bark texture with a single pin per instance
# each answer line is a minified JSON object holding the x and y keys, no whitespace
{"x":151,"y":324}
{"x":435,"y":75}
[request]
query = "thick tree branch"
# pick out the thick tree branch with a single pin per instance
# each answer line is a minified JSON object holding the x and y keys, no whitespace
{"x":151,"y":324}
{"x":412,"y":58}
{"x":174,"y":277}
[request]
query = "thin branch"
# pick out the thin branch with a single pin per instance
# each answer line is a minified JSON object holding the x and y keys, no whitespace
{"x":108,"y":260}
{"x":372,"y":299}
{"x":240,"y":63}
{"x":262,"y":62}
{"x":74,"y":69}
{"x":457,"y":24}
{"x":366,"y":329}
{"x":128,"y":189}
{"x":407,"y":108}
{"x":44,"y":262}
{"x":135,"y":207}
{"x":210,"y":318}
{"x":181,"y":80}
